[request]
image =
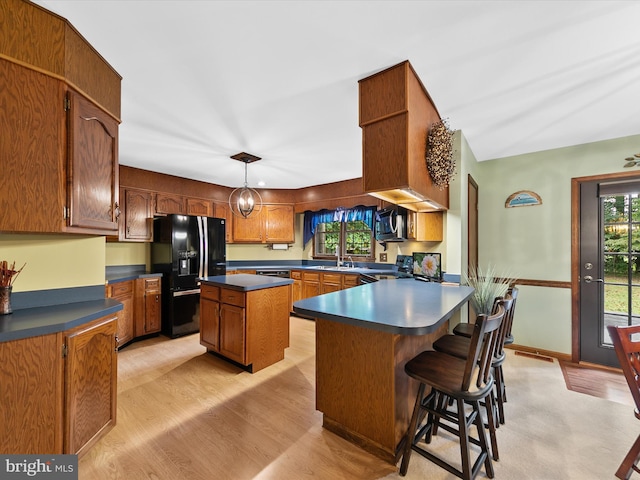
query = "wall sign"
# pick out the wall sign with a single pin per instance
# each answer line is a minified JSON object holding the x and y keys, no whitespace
{"x":523,"y":198}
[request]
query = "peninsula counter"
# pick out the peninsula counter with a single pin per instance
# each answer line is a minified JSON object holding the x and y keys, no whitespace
{"x":364,"y":337}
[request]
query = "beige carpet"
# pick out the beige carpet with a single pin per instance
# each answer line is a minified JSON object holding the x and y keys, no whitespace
{"x":550,"y":432}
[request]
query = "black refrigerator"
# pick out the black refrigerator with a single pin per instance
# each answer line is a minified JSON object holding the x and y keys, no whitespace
{"x":184,"y":249}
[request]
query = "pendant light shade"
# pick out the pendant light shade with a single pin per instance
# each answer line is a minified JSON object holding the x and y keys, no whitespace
{"x":245,"y":201}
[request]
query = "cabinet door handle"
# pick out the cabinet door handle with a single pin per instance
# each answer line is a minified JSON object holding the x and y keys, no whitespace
{"x":102,"y":124}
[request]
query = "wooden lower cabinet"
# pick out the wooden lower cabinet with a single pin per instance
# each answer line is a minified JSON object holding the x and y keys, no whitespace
{"x":312,"y":283}
{"x":147,"y":306}
{"x":123,"y":293}
{"x":251,"y":328}
{"x":59,"y":390}
{"x":91,"y":374}
{"x":296,"y":287}
{"x":331,"y":282}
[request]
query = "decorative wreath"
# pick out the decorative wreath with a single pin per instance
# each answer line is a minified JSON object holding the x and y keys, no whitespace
{"x":439,"y":155}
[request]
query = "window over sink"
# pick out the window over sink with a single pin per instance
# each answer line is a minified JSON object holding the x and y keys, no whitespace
{"x":347,"y":231}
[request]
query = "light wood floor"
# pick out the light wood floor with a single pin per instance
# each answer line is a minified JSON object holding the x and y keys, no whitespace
{"x":185,"y":414}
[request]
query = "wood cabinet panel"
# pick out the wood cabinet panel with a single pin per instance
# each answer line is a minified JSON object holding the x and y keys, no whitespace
{"x":222,"y":210}
{"x":210,"y":323}
{"x":350,"y":280}
{"x":136,"y":221}
{"x":32,"y":395}
{"x":93,"y":166}
{"x":147,"y":304}
{"x":331,"y":282}
{"x":249,"y":230}
{"x":167,"y":203}
{"x":123,"y":293}
{"x":426,"y":227}
{"x":90,"y":384}
{"x":199,"y":206}
{"x":232,"y":297}
{"x":382,"y":95}
{"x":232,"y":332}
{"x":279,"y":224}
{"x":37,"y":37}
{"x":33,"y":151}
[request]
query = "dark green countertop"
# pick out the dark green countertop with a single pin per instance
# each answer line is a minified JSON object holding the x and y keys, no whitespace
{"x":401,"y":306}
{"x":245,"y":283}
{"x":33,"y":322}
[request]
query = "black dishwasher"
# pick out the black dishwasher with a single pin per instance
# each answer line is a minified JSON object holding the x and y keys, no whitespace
{"x":274,"y":273}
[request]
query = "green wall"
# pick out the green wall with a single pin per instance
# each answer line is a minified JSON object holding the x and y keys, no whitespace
{"x":534,"y":242}
{"x":54,"y":261}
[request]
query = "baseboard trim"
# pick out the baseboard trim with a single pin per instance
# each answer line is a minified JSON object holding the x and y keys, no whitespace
{"x":540,"y":352}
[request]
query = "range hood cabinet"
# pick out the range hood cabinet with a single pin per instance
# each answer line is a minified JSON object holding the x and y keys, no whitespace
{"x":395,"y":114}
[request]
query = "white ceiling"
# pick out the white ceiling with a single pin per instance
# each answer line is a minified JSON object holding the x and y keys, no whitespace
{"x":203,"y":80}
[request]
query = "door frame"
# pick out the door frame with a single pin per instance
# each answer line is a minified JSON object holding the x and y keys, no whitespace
{"x":575,"y":250}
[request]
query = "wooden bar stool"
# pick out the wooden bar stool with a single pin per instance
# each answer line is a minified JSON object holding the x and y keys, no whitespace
{"x":465,"y":329}
{"x":467,"y":382}
{"x":458,"y":346}
{"x":628,"y":352}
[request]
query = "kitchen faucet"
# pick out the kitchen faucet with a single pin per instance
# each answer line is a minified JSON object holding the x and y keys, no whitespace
{"x":351,"y":260}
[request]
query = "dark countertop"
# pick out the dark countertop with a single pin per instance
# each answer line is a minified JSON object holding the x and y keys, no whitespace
{"x":317,"y":268}
{"x":123,"y":277}
{"x":401,"y":306}
{"x":245,"y":283}
{"x":33,"y":322}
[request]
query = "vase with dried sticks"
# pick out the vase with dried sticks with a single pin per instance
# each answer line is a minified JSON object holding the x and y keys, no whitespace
{"x":8,"y":274}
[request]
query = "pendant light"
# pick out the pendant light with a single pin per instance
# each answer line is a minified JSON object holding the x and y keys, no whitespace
{"x":245,"y":201}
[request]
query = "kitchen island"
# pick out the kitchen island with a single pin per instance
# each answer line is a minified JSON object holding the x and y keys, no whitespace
{"x":245,"y":318}
{"x":364,"y":337}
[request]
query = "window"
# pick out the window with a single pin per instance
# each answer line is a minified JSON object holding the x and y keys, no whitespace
{"x":349,"y":229}
{"x":354,"y":238}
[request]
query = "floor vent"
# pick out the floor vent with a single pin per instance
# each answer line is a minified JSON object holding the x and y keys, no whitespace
{"x":534,"y":355}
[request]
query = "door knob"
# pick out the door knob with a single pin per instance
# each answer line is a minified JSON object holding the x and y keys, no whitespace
{"x":589,"y":279}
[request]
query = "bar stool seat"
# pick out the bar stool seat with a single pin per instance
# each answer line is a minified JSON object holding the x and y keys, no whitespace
{"x":466,"y":382}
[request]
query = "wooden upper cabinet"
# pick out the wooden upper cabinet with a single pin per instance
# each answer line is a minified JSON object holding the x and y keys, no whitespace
{"x":223,"y":210}
{"x":93,"y":166}
{"x":57,"y":176}
{"x":274,"y":224}
{"x":136,"y":219}
{"x":425,"y":227}
{"x":249,"y":230}
{"x":199,"y":206}
{"x":167,"y":203}
{"x":60,"y":148}
{"x":33,"y":151}
{"x":279,"y":223}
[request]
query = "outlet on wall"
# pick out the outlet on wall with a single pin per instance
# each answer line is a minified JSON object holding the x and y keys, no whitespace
{"x":383,"y":257}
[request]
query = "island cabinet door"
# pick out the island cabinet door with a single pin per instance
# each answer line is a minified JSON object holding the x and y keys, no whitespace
{"x":210,"y":324}
{"x":232,"y":332}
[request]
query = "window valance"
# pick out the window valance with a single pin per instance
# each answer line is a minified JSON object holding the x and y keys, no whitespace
{"x":312,"y":219}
